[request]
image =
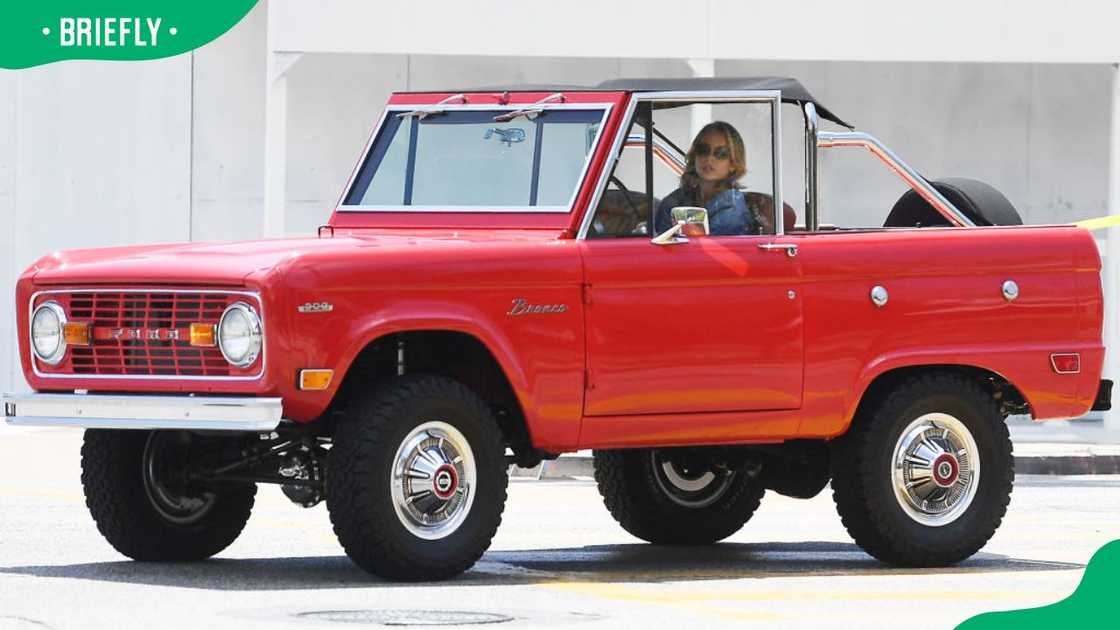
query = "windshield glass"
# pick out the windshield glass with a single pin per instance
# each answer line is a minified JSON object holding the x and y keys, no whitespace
{"x":465,"y":160}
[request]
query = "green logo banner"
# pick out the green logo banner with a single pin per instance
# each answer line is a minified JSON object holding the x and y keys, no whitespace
{"x":1092,"y":605}
{"x":35,"y":32}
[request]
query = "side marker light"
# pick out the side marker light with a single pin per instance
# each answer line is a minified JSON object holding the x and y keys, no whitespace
{"x":1066,"y":363}
{"x":315,"y":380}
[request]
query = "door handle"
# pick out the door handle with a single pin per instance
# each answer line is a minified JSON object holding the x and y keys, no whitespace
{"x":789,"y":248}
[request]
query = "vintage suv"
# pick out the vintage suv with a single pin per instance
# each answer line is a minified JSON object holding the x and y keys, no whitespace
{"x":490,"y":290}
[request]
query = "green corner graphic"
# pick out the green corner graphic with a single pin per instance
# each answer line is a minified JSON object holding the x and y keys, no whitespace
{"x":33,"y":32}
{"x":1092,"y":605}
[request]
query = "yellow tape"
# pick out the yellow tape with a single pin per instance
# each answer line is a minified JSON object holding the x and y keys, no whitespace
{"x":1099,"y":223}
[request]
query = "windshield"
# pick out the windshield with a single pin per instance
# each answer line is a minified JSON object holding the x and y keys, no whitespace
{"x":465,"y":160}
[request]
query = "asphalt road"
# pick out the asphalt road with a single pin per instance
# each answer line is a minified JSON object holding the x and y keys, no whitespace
{"x":558,"y":560}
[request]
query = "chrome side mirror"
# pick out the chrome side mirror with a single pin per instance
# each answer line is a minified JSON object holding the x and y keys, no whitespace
{"x":687,"y":221}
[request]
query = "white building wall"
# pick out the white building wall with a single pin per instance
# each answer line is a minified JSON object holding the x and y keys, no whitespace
{"x":8,"y":143}
{"x":227,"y":163}
{"x":93,"y":155}
{"x":98,"y":154}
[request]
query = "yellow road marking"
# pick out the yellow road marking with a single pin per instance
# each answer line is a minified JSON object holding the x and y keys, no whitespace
{"x":627,"y":593}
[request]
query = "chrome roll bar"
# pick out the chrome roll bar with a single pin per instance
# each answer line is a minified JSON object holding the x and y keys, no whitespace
{"x":661,"y":150}
{"x":816,"y":139}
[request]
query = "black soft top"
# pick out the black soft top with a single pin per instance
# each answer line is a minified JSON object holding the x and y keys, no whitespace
{"x":791,"y":89}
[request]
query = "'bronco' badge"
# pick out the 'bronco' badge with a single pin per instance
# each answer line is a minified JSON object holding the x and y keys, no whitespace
{"x":522,"y":307}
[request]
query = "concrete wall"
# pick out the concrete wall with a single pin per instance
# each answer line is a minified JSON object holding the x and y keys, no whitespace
{"x":100,"y":154}
{"x":227,"y":132}
{"x":90,"y":155}
{"x":1036,"y":132}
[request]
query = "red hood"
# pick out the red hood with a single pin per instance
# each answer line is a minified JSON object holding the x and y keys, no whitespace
{"x":229,"y":264}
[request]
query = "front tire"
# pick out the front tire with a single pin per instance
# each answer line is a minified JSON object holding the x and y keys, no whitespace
{"x":924,"y":476}
{"x":416,"y":479}
{"x":142,"y":504}
{"x":662,"y":497}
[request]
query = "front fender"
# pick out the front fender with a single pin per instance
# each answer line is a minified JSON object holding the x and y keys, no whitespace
{"x":540,"y":354}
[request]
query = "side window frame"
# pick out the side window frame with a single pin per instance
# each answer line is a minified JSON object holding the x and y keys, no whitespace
{"x":771,"y":97}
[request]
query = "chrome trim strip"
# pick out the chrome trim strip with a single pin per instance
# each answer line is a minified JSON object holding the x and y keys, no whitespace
{"x":829,"y":139}
{"x":776,"y":159}
{"x":100,"y":411}
{"x":152,"y":377}
{"x":605,"y":107}
{"x":719,"y":96}
{"x":812,"y":194}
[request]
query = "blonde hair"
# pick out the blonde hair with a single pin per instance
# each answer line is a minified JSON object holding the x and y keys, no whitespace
{"x":690,"y":179}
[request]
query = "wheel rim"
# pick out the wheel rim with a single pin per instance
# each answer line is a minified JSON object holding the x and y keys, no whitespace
{"x":689,"y":485}
{"x":935,"y":469}
{"x":433,"y":480}
{"x":163,"y":455}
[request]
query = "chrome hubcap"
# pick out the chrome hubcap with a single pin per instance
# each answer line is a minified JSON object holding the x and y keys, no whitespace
{"x":689,"y":485}
{"x":433,"y":480}
{"x":935,"y":469}
{"x":164,"y":456}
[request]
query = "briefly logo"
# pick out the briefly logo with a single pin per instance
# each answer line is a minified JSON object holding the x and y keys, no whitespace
{"x":123,"y":32}
{"x":316,"y":307}
{"x":523,"y":307}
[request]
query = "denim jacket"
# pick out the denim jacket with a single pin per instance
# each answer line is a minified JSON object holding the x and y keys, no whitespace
{"x":728,"y":213}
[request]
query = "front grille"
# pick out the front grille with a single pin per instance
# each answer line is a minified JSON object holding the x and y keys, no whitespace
{"x":144,"y":333}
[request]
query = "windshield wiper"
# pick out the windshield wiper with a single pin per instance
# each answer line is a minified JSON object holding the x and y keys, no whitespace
{"x":433,"y":110}
{"x":533,"y":110}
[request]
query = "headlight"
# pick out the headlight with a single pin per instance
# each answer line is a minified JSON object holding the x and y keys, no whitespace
{"x":239,"y":334}
{"x":46,"y":332}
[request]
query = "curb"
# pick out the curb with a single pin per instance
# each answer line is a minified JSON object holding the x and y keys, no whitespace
{"x":580,"y":467}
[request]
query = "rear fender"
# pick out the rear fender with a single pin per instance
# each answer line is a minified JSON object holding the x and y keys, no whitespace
{"x":1049,"y":395}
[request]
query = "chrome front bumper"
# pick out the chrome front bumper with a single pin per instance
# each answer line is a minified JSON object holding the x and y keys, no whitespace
{"x":100,"y":411}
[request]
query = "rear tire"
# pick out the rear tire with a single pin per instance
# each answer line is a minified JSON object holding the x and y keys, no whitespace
{"x":416,"y":479}
{"x":669,"y":502}
{"x":924,"y":475}
{"x":143,"y":507}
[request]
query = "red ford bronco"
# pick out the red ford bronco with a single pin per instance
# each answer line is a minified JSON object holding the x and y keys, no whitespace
{"x":494,"y":287}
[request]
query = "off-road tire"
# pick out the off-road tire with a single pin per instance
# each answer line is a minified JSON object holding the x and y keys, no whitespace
{"x":635,"y":499}
{"x":861,"y":472}
{"x":370,"y":427}
{"x":112,"y":464}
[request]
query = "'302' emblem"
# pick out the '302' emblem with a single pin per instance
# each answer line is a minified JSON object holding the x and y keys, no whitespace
{"x":316,"y":307}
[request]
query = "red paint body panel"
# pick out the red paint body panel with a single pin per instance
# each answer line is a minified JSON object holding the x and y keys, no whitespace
{"x":711,"y":342}
{"x":702,"y":327}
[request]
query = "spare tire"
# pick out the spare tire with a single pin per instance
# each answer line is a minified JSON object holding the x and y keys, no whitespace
{"x":978,"y":201}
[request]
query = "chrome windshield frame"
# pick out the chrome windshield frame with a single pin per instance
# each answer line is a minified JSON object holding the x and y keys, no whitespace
{"x":773,"y":97}
{"x":604,"y":108}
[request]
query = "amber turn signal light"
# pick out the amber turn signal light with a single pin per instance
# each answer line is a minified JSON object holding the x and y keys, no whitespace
{"x":202,"y":335}
{"x":76,"y":333}
{"x":315,"y":380}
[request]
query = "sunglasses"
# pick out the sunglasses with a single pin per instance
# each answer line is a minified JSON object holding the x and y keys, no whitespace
{"x":704,"y":150}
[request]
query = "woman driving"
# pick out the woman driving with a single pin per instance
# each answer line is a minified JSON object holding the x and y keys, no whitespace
{"x":714,"y":164}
